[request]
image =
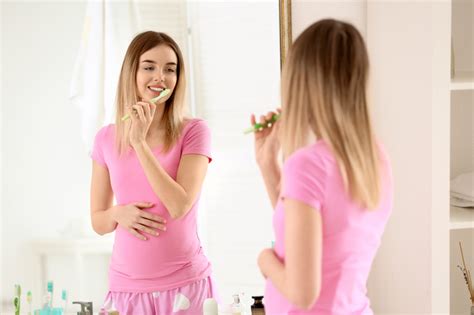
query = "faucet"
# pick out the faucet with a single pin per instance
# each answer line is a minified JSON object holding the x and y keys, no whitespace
{"x":86,"y":308}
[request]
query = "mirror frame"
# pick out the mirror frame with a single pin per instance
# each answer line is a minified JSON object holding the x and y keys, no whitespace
{"x":285,"y":29}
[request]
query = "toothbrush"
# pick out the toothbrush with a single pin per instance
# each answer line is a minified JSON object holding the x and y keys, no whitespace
{"x":17,"y":299}
{"x":29,"y":299}
{"x":153,"y":100}
{"x":50,"y":294}
{"x":64,"y":298}
{"x":259,"y":126}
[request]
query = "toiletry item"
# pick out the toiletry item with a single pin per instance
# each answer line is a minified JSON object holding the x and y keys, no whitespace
{"x":64,"y":299}
{"x":86,"y":308}
{"x":257,"y":307}
{"x":29,"y":300}
{"x":50,"y":294}
{"x":103,"y":311}
{"x":17,"y":299}
{"x":236,"y":307}
{"x":210,"y":307}
{"x":260,"y":126}
{"x":49,"y":311}
{"x":153,"y":100}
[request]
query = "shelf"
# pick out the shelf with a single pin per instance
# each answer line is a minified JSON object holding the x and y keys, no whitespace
{"x":461,"y":218}
{"x":462,"y":81}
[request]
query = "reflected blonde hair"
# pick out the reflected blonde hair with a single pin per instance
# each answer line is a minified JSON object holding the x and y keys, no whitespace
{"x":127,"y":92}
{"x":324,"y":84}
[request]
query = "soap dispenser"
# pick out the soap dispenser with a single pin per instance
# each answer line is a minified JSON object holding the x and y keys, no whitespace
{"x":236,"y":307}
{"x":86,"y":308}
{"x":257,"y":307}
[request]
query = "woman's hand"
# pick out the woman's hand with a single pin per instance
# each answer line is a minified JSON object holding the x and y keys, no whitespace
{"x":137,"y":221}
{"x":142,"y":115}
{"x":267,"y":144}
{"x":262,"y":259}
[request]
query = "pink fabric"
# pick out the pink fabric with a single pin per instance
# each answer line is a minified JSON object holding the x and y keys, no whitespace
{"x":175,"y":257}
{"x":351,"y":234}
{"x":180,"y":301}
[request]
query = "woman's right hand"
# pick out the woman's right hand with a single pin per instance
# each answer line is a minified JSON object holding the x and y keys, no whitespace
{"x":267,"y":144}
{"x":137,"y":221}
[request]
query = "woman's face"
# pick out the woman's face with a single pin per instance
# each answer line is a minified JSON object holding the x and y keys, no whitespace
{"x":157,"y":70}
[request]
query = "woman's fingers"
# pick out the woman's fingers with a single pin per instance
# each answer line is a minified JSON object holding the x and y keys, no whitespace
{"x":134,"y":232}
{"x":143,"y":204}
{"x":151,"y":224}
{"x":147,"y":108}
{"x":153,"y":217}
{"x":145,"y":229}
{"x":141,"y":113}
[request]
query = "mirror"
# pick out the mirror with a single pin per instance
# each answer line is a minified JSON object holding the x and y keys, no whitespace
{"x":232,"y":52}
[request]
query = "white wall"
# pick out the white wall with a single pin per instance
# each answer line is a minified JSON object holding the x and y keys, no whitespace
{"x":305,"y":12}
{"x":409,"y":49}
{"x":46,"y":170}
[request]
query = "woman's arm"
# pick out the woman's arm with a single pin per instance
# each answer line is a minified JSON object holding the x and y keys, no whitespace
{"x":180,"y":195}
{"x":101,"y":200}
{"x":105,"y":217}
{"x":299,"y":277}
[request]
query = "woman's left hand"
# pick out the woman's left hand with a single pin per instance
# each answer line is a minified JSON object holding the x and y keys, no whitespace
{"x":262,"y":258}
{"x":142,"y":115}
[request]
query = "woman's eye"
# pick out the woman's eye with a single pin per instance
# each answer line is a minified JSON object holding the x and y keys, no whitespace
{"x":149,"y":68}
{"x":171,"y":70}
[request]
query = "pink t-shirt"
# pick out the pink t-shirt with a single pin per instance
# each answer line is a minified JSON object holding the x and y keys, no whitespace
{"x":351,"y":234}
{"x":175,"y":258}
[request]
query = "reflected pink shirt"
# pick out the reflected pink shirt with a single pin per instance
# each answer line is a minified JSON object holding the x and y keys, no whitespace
{"x":175,"y":258}
{"x":351,"y":234}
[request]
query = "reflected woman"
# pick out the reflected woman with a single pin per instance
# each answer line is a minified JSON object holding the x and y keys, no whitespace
{"x":336,"y":189}
{"x":154,"y":164}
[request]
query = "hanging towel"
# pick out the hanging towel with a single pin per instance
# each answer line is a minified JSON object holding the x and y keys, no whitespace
{"x":109,"y":26}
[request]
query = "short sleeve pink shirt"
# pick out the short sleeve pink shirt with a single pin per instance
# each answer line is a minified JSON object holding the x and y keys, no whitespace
{"x":351,"y":234}
{"x":175,"y":258}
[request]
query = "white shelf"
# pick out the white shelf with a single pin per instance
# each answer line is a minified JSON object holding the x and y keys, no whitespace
{"x":461,"y":218}
{"x":462,"y":81}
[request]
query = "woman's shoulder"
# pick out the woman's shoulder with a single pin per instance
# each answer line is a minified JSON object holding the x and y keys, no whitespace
{"x":318,"y":152}
{"x":106,"y":132}
{"x":194,"y":125}
{"x":189,"y":123}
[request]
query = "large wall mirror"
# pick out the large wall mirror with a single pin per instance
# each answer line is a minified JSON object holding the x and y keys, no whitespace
{"x":233,"y":51}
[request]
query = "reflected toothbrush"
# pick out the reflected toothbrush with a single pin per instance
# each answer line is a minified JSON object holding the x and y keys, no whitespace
{"x":260,"y":126}
{"x":153,"y":100}
{"x":64,"y":298}
{"x":17,"y":299}
{"x":29,"y":300}
{"x":50,"y":294}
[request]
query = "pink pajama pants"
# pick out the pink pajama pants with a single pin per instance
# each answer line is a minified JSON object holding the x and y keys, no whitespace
{"x":187,"y":300}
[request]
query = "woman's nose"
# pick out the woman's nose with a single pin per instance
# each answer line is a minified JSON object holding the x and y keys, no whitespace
{"x":160,"y":77}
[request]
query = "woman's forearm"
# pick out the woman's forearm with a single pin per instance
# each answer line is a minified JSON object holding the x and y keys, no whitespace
{"x":171,"y":194}
{"x":271,"y":176}
{"x":103,"y":221}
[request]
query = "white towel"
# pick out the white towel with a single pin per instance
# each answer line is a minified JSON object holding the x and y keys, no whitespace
{"x":462,"y":190}
{"x":108,"y":29}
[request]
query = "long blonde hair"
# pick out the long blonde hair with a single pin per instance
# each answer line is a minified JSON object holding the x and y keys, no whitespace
{"x":324,"y":85}
{"x":127,"y":92}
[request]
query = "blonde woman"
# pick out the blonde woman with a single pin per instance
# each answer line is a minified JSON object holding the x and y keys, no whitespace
{"x":154,"y":165}
{"x":335,"y":196}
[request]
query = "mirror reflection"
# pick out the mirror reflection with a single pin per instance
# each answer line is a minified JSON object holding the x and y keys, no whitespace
{"x":222,"y":61}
